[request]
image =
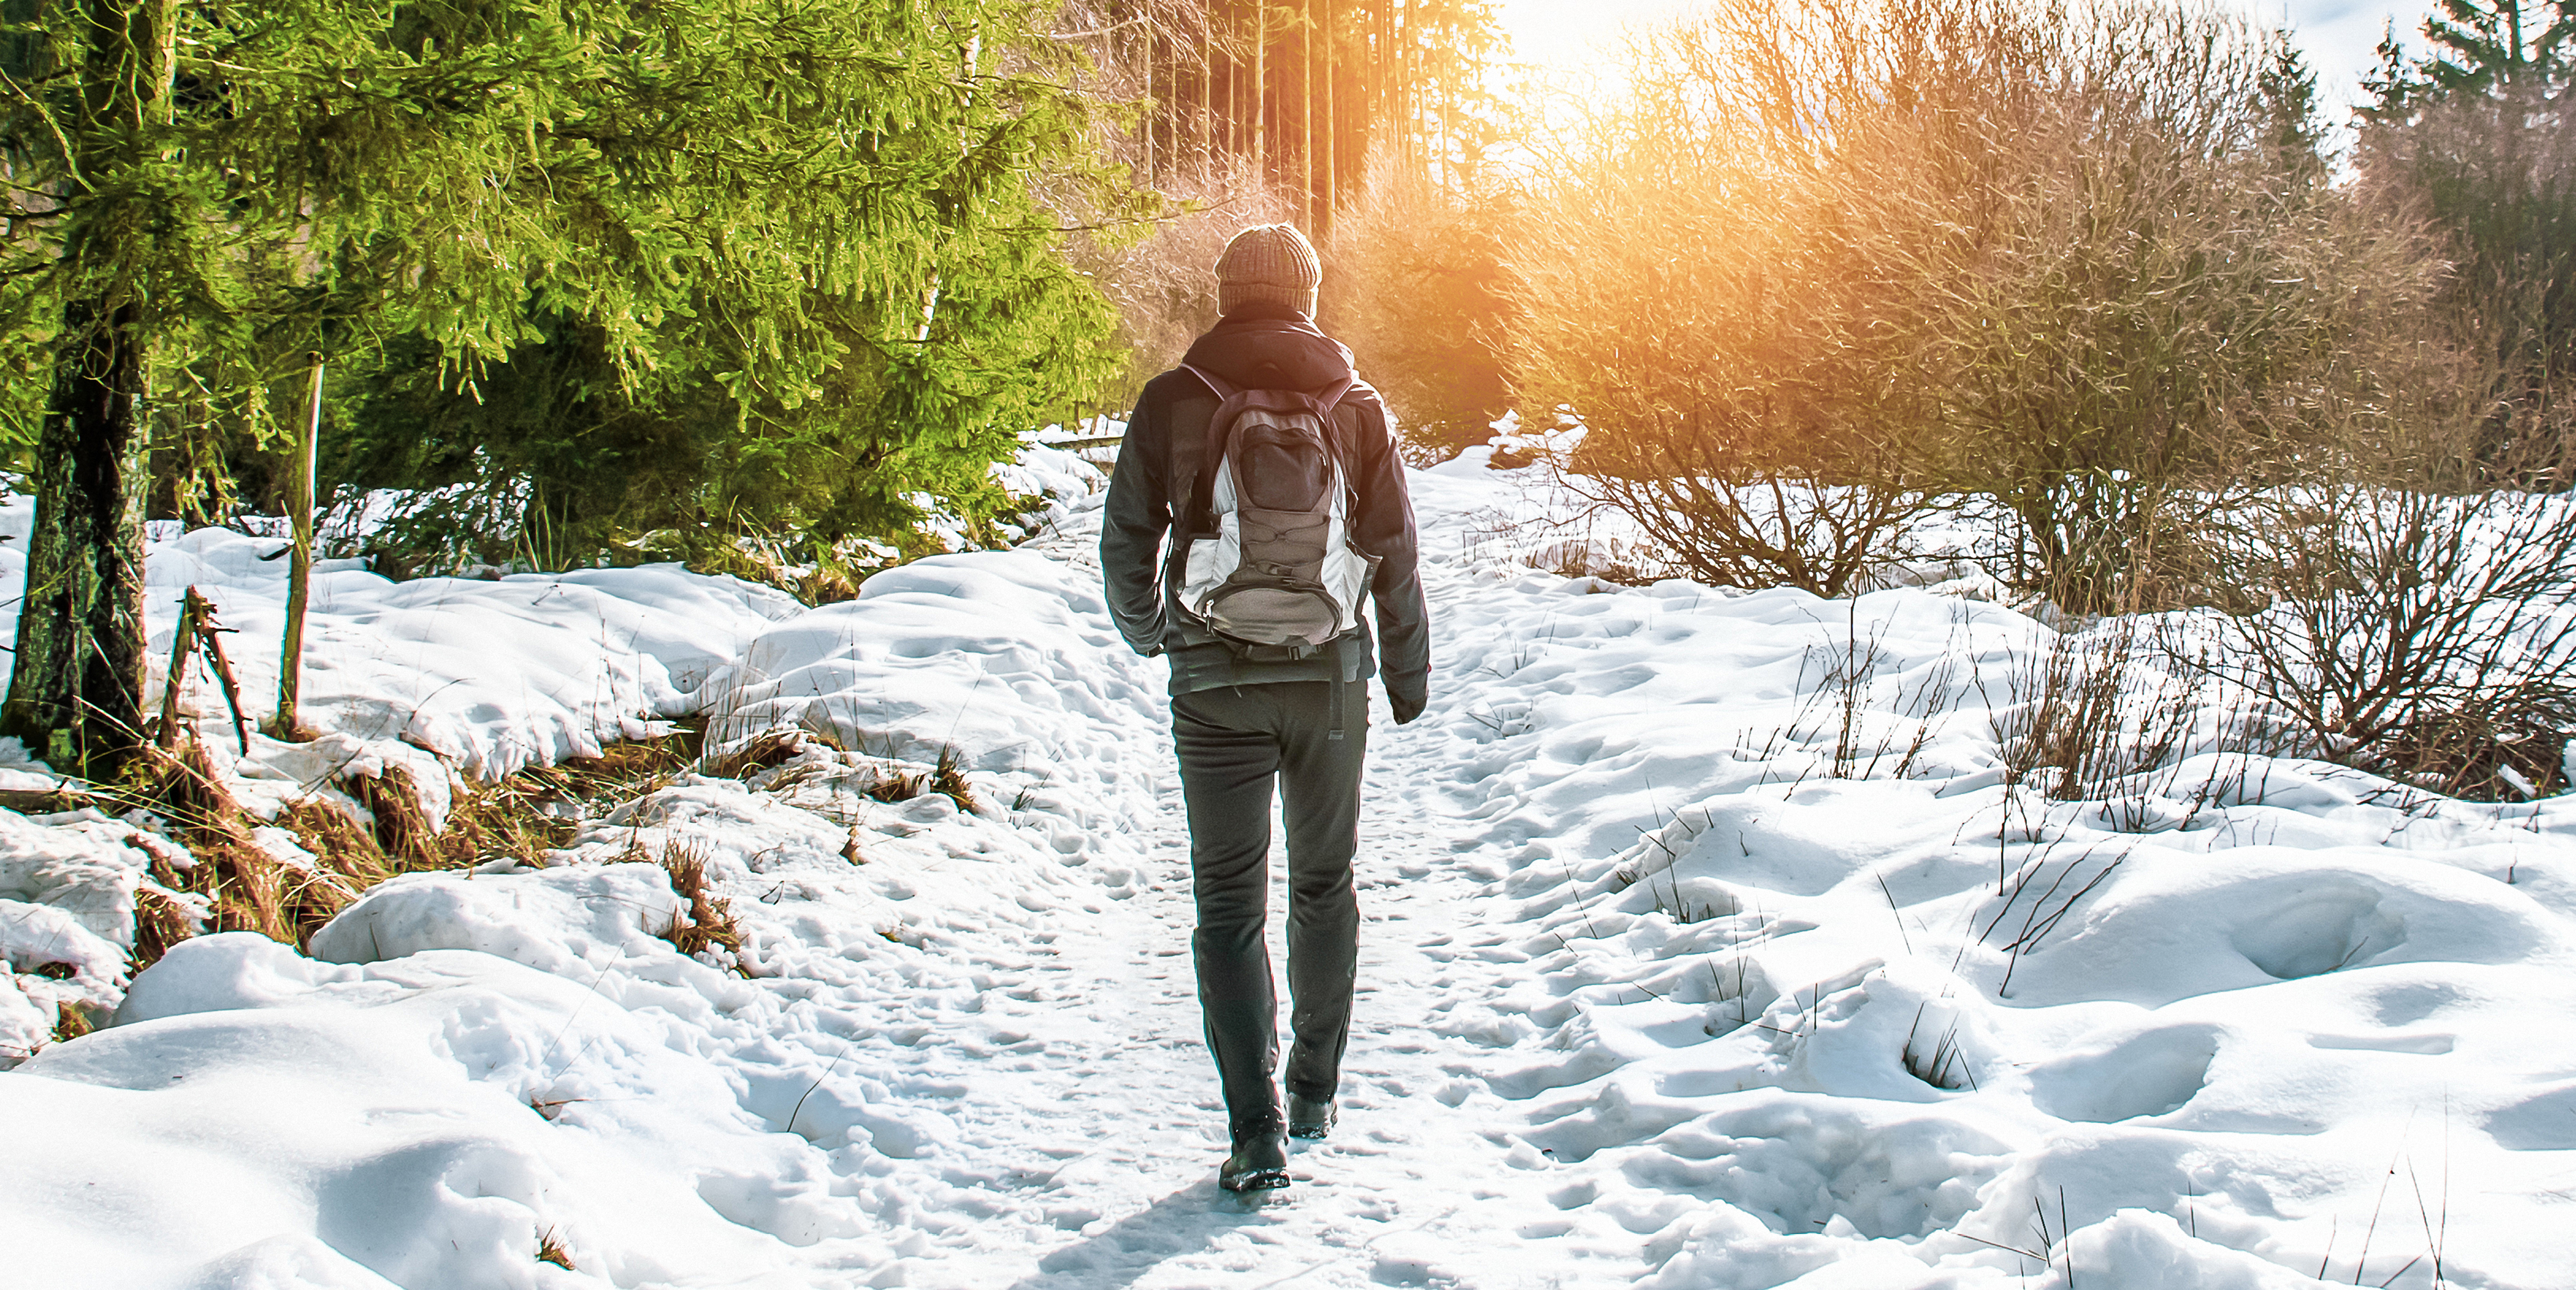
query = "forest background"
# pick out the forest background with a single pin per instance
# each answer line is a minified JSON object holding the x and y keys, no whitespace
{"x":767,"y":286}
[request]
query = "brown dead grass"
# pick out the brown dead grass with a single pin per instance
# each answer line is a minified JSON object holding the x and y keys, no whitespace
{"x":550,"y":1250}
{"x":71,"y":1021}
{"x":949,"y":778}
{"x":708,"y":922}
{"x":774,"y":747}
{"x":159,"y":921}
{"x":246,"y":886}
{"x":519,"y":817}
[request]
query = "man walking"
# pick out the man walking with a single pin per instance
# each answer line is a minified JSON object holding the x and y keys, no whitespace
{"x":1276,"y":472}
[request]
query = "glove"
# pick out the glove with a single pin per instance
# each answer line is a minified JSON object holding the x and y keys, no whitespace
{"x":1407,"y":703}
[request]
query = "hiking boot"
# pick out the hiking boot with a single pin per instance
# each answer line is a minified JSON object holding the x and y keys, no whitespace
{"x":1259,"y":1162}
{"x":1309,"y":1118}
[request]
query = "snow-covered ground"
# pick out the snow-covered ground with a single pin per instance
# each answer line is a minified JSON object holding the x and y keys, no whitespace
{"x":1651,"y":994}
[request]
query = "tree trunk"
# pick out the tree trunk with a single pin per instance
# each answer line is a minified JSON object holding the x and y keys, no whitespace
{"x":1306,"y":118}
{"x":1153,"y":109}
{"x":1206,"y":140}
{"x":76,"y":690}
{"x":1261,"y":95}
{"x":299,"y":573}
{"x":1332,"y":125}
{"x":76,"y":683}
{"x":1233,"y":139}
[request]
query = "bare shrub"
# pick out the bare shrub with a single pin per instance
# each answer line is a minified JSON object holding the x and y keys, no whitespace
{"x":1412,"y":283}
{"x":1860,"y":716}
{"x":2083,"y":720}
{"x":2496,"y":173}
{"x":2151,"y":309}
{"x":1833,"y":262}
{"x":2421,"y":634}
{"x":1666,"y":293}
{"x":1161,"y":273}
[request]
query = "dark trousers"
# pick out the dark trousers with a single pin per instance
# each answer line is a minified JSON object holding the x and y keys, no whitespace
{"x":1233,"y":743}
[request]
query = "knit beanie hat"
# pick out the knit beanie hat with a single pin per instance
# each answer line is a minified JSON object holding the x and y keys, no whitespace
{"x":1268,"y":263}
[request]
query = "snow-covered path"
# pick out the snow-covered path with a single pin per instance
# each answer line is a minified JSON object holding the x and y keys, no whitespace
{"x":1087,"y":1123}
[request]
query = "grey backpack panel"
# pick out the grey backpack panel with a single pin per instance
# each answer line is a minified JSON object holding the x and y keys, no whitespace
{"x":1270,"y":568}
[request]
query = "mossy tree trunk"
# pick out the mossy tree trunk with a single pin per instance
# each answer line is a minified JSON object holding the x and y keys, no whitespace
{"x":76,"y":684}
{"x":76,"y":692}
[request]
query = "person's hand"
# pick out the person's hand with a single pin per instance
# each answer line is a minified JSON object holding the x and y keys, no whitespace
{"x":1407,"y":705}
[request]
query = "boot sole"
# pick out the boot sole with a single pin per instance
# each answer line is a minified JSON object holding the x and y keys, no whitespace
{"x":1257,"y":1180}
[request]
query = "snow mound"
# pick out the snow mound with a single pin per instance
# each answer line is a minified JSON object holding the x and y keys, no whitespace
{"x":1801,"y":957}
{"x":512,"y":1077}
{"x":488,"y":676}
{"x":430,"y":1121}
{"x":1002,"y":659}
{"x":68,"y":889}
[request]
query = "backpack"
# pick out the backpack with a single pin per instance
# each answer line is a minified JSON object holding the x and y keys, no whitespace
{"x":1270,"y":568}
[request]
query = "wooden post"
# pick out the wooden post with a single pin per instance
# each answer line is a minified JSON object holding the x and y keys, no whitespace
{"x":212,"y":633}
{"x":299,"y":573}
{"x":181,"y":643}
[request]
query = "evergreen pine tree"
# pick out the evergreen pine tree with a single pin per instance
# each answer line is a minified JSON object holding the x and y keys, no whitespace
{"x":810,"y":228}
{"x":2487,"y":45}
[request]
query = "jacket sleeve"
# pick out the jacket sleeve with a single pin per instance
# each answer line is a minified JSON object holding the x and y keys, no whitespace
{"x":1385,"y":529}
{"x":1131,"y":533}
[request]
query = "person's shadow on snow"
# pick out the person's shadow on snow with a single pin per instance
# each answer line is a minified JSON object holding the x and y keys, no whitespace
{"x":1185,"y":1222}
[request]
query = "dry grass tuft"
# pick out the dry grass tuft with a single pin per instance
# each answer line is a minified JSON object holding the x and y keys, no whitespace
{"x":160,"y":920}
{"x":710,"y":923}
{"x":246,"y":887}
{"x":71,"y":1021}
{"x":550,"y":1250}
{"x":949,"y":778}
{"x":519,"y":818}
{"x":899,"y":788}
{"x":773,"y":747}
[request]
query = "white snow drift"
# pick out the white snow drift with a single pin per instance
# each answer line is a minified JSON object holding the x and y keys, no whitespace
{"x":1709,"y":946}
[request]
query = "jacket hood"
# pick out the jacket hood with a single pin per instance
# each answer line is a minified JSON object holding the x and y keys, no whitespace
{"x":1261,"y":350}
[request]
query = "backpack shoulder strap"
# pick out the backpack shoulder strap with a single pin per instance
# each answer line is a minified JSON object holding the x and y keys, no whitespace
{"x":1217,"y":385}
{"x":1191,"y":418}
{"x":1344,"y":429}
{"x":1206,"y":439}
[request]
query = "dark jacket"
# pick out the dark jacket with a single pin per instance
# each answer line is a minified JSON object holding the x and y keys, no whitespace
{"x":1275,"y":348}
